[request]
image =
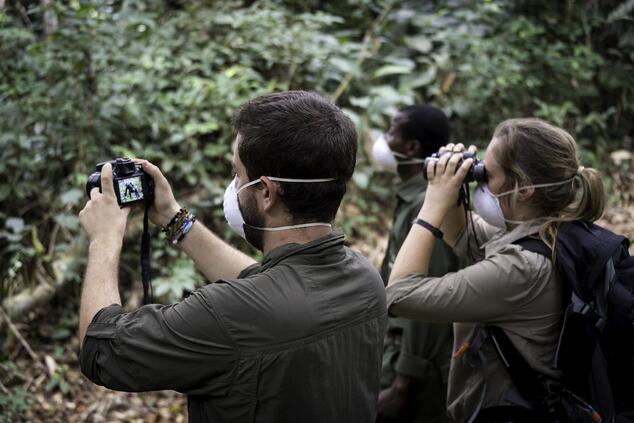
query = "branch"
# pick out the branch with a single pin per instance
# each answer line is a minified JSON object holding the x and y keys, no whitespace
{"x":19,"y":305}
{"x":53,"y":240}
{"x":4,"y":389}
{"x":50,"y":18}
{"x":24,"y":14}
{"x":19,"y":336}
{"x":369,"y":37}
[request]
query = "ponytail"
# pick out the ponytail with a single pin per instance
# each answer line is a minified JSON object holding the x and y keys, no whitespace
{"x":587,"y":207}
{"x":592,"y":201}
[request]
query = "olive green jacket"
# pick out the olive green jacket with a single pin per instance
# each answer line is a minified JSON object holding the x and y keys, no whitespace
{"x":297,"y":338}
{"x":425,"y":348}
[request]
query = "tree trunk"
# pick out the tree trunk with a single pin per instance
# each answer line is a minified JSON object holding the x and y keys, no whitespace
{"x":18,"y":306}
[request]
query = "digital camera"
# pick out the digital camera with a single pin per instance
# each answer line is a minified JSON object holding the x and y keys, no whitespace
{"x":131,"y":183}
{"x":476,"y":173}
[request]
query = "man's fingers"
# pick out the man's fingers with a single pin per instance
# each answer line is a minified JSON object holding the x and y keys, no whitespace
{"x":151,"y":169}
{"x":107,"y":188}
{"x":473,"y":149}
{"x":94,"y":193}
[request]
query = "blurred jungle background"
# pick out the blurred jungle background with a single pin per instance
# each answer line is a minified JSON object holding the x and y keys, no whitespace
{"x":86,"y":81}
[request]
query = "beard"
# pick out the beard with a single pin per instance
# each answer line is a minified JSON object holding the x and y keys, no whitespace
{"x":252,"y":219}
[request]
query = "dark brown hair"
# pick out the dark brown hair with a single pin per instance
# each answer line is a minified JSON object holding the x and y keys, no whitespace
{"x":532,"y":151}
{"x":299,"y":134}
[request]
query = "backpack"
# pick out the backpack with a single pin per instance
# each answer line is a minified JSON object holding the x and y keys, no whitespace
{"x":595,"y":351}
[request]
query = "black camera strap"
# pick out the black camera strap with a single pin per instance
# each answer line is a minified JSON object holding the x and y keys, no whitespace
{"x":464,"y":198}
{"x":145,"y":257}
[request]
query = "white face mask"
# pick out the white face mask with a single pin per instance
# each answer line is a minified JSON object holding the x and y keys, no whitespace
{"x":487,"y":205}
{"x":385,"y":158}
{"x":234,"y":215}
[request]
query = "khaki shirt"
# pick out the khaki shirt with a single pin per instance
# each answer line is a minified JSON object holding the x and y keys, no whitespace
{"x":512,"y":288}
{"x":297,"y":338}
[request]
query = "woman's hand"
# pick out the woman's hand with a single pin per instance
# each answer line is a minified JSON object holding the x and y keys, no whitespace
{"x":444,"y":181}
{"x":441,"y":199}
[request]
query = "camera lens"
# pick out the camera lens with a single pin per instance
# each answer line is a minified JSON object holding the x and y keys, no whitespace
{"x":94,"y":181}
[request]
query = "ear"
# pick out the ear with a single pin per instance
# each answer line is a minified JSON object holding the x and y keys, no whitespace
{"x":413,"y":148}
{"x":526,"y":193}
{"x":270,"y":194}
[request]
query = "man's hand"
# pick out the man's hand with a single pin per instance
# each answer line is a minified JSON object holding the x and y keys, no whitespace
{"x":104,"y":222}
{"x":102,"y":218}
{"x":394,"y":402}
{"x":213,"y":257}
{"x":165,"y":205}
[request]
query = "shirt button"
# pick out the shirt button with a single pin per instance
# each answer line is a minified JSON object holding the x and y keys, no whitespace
{"x":450,"y":287}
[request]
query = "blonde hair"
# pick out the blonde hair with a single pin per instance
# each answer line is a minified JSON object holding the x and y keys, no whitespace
{"x":532,"y":151}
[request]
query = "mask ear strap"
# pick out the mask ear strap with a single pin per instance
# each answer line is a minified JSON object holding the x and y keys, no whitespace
{"x":274,"y":178}
{"x":548,"y":184}
{"x":253,"y":182}
{"x":409,"y":160}
{"x":285,"y":228}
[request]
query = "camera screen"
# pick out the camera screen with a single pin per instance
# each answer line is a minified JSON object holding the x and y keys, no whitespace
{"x":130,"y":189}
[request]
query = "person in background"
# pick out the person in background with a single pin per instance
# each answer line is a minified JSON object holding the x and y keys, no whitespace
{"x":416,"y":354}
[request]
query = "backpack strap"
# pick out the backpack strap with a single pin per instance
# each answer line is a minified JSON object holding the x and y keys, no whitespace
{"x":529,"y":383}
{"x":535,"y":245}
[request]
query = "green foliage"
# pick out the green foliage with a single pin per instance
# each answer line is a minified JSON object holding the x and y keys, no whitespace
{"x":487,"y":61}
{"x":57,"y":381}
{"x":183,"y":279}
{"x":84,"y":81}
{"x":14,"y":405}
{"x":133,"y":80}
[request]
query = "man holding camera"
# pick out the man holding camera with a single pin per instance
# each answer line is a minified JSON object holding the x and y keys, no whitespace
{"x":297,"y":337}
{"x":416,"y":354}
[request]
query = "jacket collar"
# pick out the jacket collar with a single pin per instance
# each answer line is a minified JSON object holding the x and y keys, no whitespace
{"x":333,"y":241}
{"x":411,"y":189}
{"x":522,"y":230}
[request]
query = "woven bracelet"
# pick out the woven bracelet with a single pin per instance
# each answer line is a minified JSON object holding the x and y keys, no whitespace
{"x":179,"y":215}
{"x":179,"y":226}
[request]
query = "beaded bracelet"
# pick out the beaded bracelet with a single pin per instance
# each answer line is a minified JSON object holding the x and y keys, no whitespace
{"x":179,"y":226}
{"x":184,"y":230}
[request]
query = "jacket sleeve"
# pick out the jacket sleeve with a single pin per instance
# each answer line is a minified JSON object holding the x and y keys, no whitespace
{"x":487,"y":291}
{"x":426,"y":347}
{"x":182,"y":346}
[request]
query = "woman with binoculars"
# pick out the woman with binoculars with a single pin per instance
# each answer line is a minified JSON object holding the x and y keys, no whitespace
{"x":534,"y":182}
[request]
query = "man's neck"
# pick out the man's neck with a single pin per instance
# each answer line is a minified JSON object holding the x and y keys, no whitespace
{"x":272,"y":240}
